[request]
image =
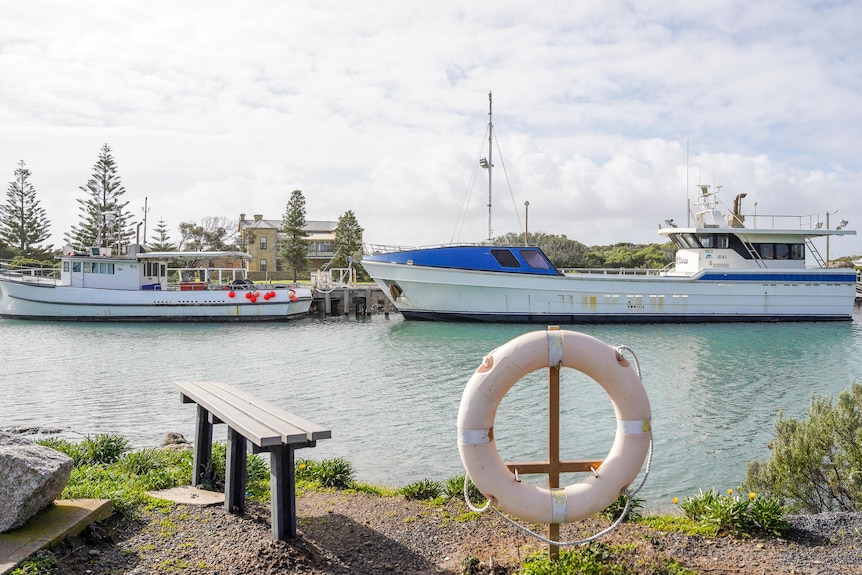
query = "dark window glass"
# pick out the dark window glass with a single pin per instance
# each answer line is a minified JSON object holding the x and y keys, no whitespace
{"x":505,"y":258}
{"x":535,"y":260}
{"x":766,"y":251}
{"x":782,"y":251}
{"x":797,"y":251}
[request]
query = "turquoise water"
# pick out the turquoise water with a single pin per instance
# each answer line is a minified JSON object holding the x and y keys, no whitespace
{"x":390,"y":389}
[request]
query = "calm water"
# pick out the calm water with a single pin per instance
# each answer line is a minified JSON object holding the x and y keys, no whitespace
{"x":390,"y":389}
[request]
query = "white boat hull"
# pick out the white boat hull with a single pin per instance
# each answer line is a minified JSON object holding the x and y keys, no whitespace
{"x":436,"y":293}
{"x":24,"y":300}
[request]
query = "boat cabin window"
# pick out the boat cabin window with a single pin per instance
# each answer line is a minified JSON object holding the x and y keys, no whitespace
{"x":505,"y":258}
{"x":98,"y":268}
{"x":155,"y":269}
{"x":76,"y":266}
{"x":535,"y":259}
{"x":797,"y":251}
{"x":686,"y":241}
{"x":781,"y":251}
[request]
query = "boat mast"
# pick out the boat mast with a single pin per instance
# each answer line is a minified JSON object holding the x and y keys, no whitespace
{"x":490,"y":164}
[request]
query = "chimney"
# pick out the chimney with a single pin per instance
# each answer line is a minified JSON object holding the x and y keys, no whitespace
{"x":258,"y":217}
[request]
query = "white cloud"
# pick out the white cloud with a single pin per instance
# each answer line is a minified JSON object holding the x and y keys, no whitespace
{"x":222,"y":108}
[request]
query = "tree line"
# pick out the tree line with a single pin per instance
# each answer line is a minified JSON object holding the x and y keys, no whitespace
{"x":105,"y":221}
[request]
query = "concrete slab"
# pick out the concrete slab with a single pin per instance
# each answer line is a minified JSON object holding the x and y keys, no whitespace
{"x":189,"y":495}
{"x":67,"y":517}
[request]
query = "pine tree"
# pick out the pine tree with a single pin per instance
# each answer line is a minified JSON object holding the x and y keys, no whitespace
{"x":23,"y":222}
{"x":104,"y":219}
{"x":348,"y":242}
{"x":294,"y":246}
{"x":161,"y":240}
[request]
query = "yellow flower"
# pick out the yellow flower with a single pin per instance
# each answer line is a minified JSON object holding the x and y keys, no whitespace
{"x":675,"y":500}
{"x":752,"y":495}
{"x":730,"y":491}
{"x":302,"y":466}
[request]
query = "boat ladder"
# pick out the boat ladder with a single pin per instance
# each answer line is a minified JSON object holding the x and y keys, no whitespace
{"x":812,"y":249}
{"x":752,"y":252}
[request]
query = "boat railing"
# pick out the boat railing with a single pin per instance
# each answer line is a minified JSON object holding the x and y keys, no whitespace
{"x":47,"y":274}
{"x":615,"y":271}
{"x":215,"y":278}
{"x":782,"y":222}
{"x":375,"y":249}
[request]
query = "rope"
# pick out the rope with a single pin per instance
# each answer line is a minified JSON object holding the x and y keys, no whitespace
{"x":629,"y":494}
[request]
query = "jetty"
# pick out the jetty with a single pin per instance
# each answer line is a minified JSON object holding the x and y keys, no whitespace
{"x":336,"y":293}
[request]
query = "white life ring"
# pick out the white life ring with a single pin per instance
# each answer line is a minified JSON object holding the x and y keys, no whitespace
{"x":498,"y":373}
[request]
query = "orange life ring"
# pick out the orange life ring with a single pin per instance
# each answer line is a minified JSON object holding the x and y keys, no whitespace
{"x":498,"y":373}
{"x":292,"y":295}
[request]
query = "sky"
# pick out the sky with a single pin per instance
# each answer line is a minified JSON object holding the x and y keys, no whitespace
{"x":607,"y":114}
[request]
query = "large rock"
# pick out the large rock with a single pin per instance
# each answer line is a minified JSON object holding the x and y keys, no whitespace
{"x":31,"y":478}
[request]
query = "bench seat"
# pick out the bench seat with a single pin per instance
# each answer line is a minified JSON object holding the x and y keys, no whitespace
{"x":267,"y":427}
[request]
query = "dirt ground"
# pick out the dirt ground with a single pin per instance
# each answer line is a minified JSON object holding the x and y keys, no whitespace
{"x":341,"y":533}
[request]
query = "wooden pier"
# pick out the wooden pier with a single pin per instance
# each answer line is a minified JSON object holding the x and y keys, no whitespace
{"x":352,"y":301}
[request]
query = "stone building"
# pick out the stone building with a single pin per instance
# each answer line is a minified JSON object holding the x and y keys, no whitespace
{"x":260,"y":238}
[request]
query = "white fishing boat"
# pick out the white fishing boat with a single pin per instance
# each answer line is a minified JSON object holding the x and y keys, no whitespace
{"x":140,"y":286}
{"x":729,"y":267}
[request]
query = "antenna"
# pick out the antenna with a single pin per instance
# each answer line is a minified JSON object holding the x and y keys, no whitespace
{"x":489,"y":164}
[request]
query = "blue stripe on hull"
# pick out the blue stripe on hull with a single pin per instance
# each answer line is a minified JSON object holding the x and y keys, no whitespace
{"x":783,"y":277}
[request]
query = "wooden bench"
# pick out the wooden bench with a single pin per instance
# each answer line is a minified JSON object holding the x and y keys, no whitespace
{"x":268,"y":428}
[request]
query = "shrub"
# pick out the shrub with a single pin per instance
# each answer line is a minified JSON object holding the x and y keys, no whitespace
{"x":422,"y":490}
{"x":815,"y":464}
{"x":336,"y":473}
{"x":735,"y":514}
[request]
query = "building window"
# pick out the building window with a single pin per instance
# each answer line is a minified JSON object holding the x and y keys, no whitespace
{"x":262,"y":265}
{"x":263,"y":243}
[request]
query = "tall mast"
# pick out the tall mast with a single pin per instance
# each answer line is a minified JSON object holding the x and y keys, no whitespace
{"x":490,"y":162}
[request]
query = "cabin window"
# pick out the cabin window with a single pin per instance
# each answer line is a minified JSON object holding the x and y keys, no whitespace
{"x":65,"y":266}
{"x":535,"y":260}
{"x":505,"y":258}
{"x":706,"y":240}
{"x":263,"y":243}
{"x":88,"y":266}
{"x":797,"y":251}
{"x":263,"y":265}
{"x":721,"y":241}
{"x":690,"y":241}
{"x":782,"y":251}
{"x":76,"y":267}
{"x":766,"y":251}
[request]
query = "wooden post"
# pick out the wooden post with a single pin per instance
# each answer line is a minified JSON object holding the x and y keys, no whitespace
{"x":554,"y":466}
{"x":553,"y":451}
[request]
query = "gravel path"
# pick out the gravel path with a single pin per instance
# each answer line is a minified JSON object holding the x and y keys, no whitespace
{"x":341,"y":533}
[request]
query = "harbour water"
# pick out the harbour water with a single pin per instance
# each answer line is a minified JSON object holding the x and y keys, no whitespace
{"x":389,"y":390}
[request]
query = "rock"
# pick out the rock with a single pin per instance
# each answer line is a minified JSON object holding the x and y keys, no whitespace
{"x":31,"y":478}
{"x":174,"y":440}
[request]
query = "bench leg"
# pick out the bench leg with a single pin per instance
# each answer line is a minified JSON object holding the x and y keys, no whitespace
{"x":234,"y":473}
{"x":202,"y":465}
{"x":282,"y":489}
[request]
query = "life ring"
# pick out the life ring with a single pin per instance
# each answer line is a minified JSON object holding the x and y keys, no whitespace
{"x":498,"y":373}
{"x":291,"y":294}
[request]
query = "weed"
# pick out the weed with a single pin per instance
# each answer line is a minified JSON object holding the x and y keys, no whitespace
{"x":424,"y":489}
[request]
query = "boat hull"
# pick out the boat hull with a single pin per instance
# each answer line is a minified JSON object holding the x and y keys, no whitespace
{"x":23,"y":300}
{"x":451,"y":294}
